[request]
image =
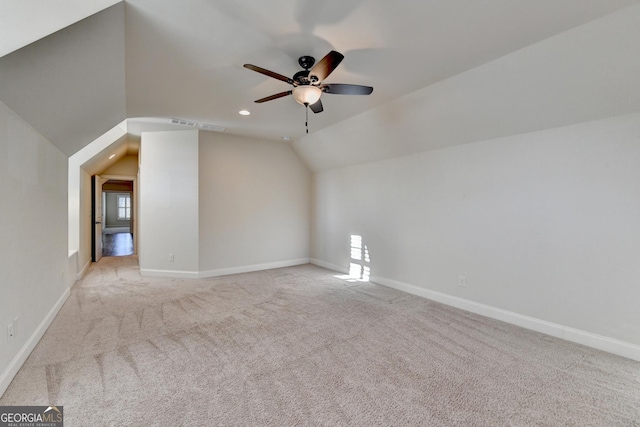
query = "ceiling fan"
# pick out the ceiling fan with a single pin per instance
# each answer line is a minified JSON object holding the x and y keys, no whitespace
{"x":308,"y":84}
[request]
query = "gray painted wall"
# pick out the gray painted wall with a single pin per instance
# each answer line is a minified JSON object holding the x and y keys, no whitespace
{"x":34,"y":260}
{"x":111,"y":218}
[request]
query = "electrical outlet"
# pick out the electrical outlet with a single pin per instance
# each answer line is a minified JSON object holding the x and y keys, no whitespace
{"x":170,"y":257}
{"x":462,"y":281}
{"x":11,"y":331}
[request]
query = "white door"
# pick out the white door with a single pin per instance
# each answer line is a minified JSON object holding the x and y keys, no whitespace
{"x":97,"y":197}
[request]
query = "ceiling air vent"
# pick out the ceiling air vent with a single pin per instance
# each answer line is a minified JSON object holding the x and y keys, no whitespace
{"x":184,"y":123}
{"x":213,"y":128}
{"x":201,"y":126}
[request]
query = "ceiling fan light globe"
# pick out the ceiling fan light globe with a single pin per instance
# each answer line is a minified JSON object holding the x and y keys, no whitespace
{"x":307,"y":95}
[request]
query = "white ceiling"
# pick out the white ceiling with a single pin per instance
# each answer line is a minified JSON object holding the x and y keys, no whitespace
{"x":25,"y":21}
{"x":184,"y":59}
{"x":70,"y":86}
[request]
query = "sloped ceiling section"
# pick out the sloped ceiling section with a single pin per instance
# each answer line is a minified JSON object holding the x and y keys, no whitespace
{"x":101,"y":161}
{"x":587,"y":73}
{"x":70,"y":86}
{"x":184,"y":59}
{"x":25,"y":21}
{"x":160,"y":59}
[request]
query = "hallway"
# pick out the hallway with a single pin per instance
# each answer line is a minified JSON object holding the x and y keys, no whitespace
{"x":117,"y":244}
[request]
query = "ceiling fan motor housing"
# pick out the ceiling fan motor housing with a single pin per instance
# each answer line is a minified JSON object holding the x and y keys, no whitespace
{"x":306,"y":62}
{"x":308,"y":84}
{"x":302,"y":78}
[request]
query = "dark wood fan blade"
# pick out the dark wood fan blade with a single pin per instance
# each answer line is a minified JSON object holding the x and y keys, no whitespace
{"x":317,"y":107}
{"x":269,"y":73}
{"x":326,"y":65}
{"x":272,"y":97}
{"x":346,"y":89}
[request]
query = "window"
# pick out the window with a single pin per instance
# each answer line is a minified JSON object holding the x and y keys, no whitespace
{"x":124,"y":206}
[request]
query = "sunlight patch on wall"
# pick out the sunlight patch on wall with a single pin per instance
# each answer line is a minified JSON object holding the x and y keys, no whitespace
{"x":359,"y":268}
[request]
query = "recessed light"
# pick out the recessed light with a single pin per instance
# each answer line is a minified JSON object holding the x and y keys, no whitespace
{"x":286,"y":138}
{"x":111,"y":156}
{"x":244,"y":112}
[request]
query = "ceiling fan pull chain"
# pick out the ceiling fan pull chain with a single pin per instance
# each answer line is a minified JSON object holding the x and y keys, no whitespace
{"x":306,"y":123}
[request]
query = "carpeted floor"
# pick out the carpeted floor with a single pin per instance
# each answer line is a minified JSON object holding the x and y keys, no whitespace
{"x":299,"y":346}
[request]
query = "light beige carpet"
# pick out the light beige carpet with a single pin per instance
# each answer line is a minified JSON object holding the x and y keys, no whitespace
{"x":298,"y":346}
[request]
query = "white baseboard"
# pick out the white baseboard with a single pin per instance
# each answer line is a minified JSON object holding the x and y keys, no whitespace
{"x":72,"y":267}
{"x":610,"y":345}
{"x":251,"y":268}
{"x":82,"y":272}
{"x":329,"y":266}
{"x":176,"y":274}
{"x":221,"y":271}
{"x":27,"y":348}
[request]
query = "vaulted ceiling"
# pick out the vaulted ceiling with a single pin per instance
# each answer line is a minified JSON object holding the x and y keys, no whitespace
{"x":73,"y":72}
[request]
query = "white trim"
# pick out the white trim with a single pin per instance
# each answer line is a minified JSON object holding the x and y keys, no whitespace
{"x":176,"y":274}
{"x":82,"y":272}
{"x":329,"y":266}
{"x":221,"y":271}
{"x":73,"y":267}
{"x":599,"y":342}
{"x":116,"y":229}
{"x":611,"y":345}
{"x":27,"y":348}
{"x":251,"y":268}
{"x":134,"y":199}
{"x":120,"y":177}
